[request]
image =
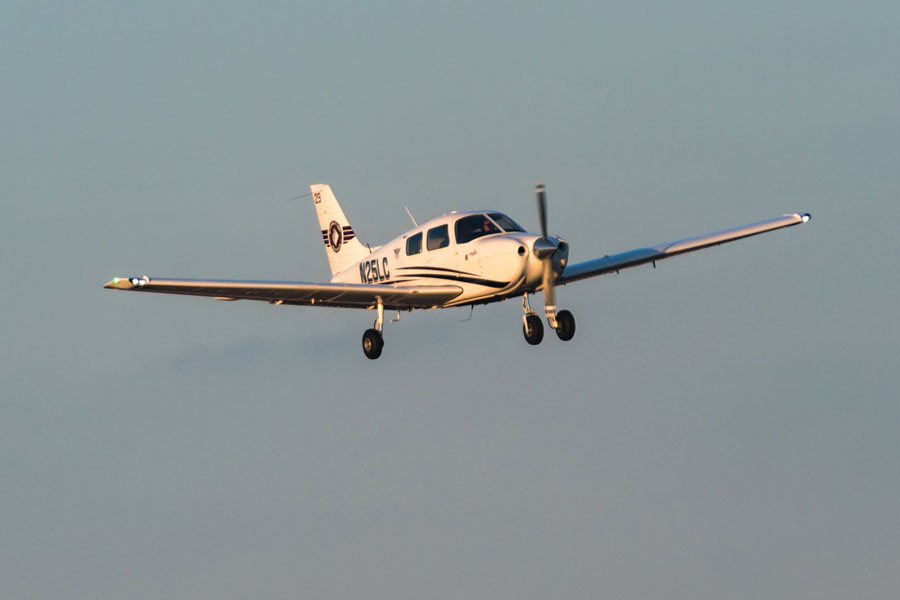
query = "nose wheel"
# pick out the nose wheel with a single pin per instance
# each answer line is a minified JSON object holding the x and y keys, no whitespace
{"x":565,"y":325}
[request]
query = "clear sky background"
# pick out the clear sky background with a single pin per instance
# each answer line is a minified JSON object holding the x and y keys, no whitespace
{"x":725,"y":426}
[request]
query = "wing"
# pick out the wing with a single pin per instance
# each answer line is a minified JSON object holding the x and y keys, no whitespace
{"x":344,"y":295}
{"x":641,"y":256}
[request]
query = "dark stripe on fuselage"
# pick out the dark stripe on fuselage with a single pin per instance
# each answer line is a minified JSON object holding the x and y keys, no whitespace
{"x":442,"y":269}
{"x":475,"y":280}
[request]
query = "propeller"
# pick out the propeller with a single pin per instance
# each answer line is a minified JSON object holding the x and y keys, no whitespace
{"x":542,"y":208}
{"x":544,"y":249}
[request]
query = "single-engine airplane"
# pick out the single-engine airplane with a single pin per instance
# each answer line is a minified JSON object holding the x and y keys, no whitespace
{"x":458,"y":259}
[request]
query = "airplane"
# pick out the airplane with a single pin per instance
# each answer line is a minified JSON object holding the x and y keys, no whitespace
{"x":462,"y":258}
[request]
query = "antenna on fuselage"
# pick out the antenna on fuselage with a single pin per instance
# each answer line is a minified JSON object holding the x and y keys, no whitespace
{"x":410,"y":216}
{"x":300,"y":196}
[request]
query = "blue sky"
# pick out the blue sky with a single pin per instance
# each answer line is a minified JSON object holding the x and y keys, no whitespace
{"x":722,"y":426}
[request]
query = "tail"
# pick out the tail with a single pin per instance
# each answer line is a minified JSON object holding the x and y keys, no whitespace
{"x":341,"y":245}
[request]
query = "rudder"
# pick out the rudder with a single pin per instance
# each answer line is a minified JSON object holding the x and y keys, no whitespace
{"x":341,"y":244}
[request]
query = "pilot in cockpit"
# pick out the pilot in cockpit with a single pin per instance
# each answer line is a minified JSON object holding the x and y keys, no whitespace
{"x":487,"y":226}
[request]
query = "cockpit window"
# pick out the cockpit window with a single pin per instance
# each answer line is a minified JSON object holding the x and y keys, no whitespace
{"x":438,"y":237}
{"x":505,"y":222}
{"x":414,"y":244}
{"x":473,"y":226}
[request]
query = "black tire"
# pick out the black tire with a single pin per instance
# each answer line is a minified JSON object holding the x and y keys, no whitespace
{"x":372,"y":343}
{"x":565,"y":325}
{"x":533,"y":329}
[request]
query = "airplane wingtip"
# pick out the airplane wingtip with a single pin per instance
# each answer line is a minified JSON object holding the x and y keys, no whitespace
{"x":126,"y":283}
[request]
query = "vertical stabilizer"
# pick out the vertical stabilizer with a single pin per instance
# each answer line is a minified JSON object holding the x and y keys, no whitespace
{"x":341,"y":245}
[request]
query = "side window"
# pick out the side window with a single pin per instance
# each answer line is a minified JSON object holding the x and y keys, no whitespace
{"x":439,"y":237}
{"x":414,"y":244}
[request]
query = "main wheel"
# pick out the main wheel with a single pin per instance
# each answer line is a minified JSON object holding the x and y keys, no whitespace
{"x":533,"y":330}
{"x":565,"y":325}
{"x":372,"y":343}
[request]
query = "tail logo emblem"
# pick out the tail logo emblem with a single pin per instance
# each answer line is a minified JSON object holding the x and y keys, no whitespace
{"x":335,"y":236}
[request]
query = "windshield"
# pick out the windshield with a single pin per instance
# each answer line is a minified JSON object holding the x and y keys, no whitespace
{"x":505,"y":222}
{"x":473,"y":226}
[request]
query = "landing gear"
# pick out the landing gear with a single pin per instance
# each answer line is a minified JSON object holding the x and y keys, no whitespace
{"x":563,"y":322}
{"x":372,"y":343}
{"x":531,"y":323}
{"x":373,"y":340}
{"x":565,"y":325}
{"x":533,"y":329}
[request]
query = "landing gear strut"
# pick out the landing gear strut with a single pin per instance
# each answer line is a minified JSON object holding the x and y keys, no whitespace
{"x":373,"y":340}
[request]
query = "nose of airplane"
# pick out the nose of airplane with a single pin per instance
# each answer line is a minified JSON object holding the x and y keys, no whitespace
{"x":537,"y":250}
{"x":503,"y":258}
{"x":560,"y":258}
{"x":543,"y":248}
{"x":556,"y":248}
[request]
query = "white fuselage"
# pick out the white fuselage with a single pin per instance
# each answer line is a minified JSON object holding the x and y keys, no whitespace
{"x":488,"y":264}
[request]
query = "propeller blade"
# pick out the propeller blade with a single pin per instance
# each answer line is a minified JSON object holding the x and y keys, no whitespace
{"x":549,"y":281}
{"x":544,"y":249}
{"x":542,"y":208}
